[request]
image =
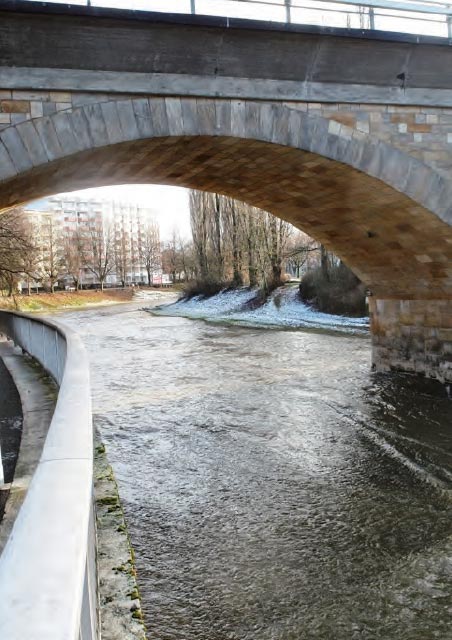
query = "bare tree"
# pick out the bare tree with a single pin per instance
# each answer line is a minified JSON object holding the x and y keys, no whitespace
{"x":199,"y":212}
{"x":299,"y":252}
{"x":99,"y":250}
{"x":150,"y":250}
{"x":73,"y":257}
{"x":187,"y":257}
{"x":233,"y":230}
{"x":171,"y":257}
{"x":16,"y":246}
{"x":50,"y":249}
{"x":237,"y":243}
{"x":122,"y":257}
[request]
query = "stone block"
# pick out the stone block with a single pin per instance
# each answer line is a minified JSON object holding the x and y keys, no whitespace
{"x":223,"y":117}
{"x":17,"y":118}
{"x":190,"y":116}
{"x":81,"y":99}
{"x":62,"y":106}
{"x":252,"y":119}
{"x":294,"y":128}
{"x":395,"y":167}
{"x":397,"y":118}
{"x":364,"y":127}
{"x":96,"y":124}
{"x":62,"y":123}
{"x":206,"y":116}
{"x":334,"y":127}
{"x":319,"y":137}
{"x":127,"y":119}
{"x":174,"y":115}
{"x":30,"y":95}
{"x":48,"y":108}
{"x":46,"y":131}
{"x":32,"y":142}
{"x":349,"y":119}
{"x":112,"y":122}
{"x":143,"y":117}
{"x":422,"y":181}
{"x":60,"y":96}
{"x":266,"y":122}
{"x":16,"y":149}
{"x":14,"y":106}
{"x":7,"y":168}
{"x":36,"y":109}
{"x":419,"y":128}
{"x":238,"y":119}
{"x":159,"y":116}
{"x":280,"y":125}
{"x":81,"y":130}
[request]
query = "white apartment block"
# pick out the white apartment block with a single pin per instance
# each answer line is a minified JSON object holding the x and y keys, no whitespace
{"x":125,"y":221}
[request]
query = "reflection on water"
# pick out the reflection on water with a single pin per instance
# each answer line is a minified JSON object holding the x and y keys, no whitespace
{"x":274,"y":488}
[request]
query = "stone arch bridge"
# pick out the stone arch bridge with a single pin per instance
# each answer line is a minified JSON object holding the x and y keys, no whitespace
{"x":357,"y":155}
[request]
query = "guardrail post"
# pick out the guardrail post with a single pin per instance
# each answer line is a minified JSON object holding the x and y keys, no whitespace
{"x":288,"y":4}
{"x":371,"y":19}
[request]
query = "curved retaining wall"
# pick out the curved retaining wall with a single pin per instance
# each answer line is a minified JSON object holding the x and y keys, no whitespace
{"x":48,"y":581}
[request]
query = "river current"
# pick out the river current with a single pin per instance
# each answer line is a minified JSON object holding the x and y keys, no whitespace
{"x":274,"y":487}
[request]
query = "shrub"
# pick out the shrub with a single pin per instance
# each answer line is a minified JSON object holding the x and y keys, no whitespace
{"x":206,"y":288}
{"x":341,"y":293}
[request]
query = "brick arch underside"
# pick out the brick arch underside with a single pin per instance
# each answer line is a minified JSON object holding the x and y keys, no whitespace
{"x":397,"y":247}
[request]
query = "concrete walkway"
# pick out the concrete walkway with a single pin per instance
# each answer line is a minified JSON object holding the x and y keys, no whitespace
{"x":25,"y":384}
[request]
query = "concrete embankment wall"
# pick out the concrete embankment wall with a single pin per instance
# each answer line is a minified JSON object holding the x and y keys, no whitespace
{"x":52,"y":570}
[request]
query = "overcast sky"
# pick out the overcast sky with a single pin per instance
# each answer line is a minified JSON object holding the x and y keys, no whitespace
{"x":169,"y":204}
{"x":309,"y":12}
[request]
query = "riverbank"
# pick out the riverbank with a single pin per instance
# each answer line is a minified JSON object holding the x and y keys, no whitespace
{"x":283,"y":309}
{"x":121,"y":615}
{"x":64,"y":300}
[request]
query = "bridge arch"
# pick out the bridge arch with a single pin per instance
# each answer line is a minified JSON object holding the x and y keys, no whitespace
{"x":385,"y":213}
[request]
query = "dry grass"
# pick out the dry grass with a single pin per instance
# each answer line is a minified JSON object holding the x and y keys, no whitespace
{"x":63,"y":300}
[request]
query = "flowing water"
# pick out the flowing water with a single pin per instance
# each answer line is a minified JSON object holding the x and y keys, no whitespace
{"x":274,"y":487}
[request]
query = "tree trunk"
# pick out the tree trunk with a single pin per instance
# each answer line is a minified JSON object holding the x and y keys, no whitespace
{"x":237,"y":277}
{"x":252,"y":270}
{"x":275,"y":259}
{"x":217,"y":238}
{"x":324,"y":262}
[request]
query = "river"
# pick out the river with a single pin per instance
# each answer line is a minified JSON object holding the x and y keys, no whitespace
{"x":274,"y":487}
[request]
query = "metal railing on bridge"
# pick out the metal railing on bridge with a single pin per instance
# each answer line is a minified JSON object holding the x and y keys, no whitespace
{"x":403,"y":16}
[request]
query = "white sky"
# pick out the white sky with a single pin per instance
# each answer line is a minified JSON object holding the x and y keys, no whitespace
{"x":169,"y":204}
{"x":313,"y":12}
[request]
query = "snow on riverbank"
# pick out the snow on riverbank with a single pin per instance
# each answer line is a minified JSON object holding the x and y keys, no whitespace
{"x":282,"y":309}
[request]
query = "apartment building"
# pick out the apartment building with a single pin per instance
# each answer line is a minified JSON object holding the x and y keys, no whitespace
{"x":120,"y":229}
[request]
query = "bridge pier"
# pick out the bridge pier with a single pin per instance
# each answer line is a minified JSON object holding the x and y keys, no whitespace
{"x":412,"y":336}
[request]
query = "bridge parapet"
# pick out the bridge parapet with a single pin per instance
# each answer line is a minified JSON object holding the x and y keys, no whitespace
{"x":48,"y":584}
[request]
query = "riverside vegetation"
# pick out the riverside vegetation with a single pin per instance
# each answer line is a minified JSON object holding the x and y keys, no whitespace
{"x":236,"y":245}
